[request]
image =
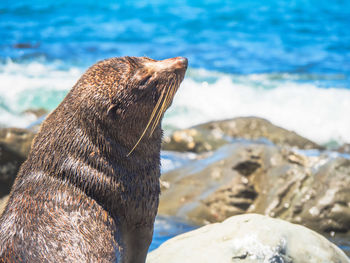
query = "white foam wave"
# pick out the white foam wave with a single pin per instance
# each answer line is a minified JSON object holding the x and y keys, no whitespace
{"x":32,"y":85}
{"x":317,"y":113}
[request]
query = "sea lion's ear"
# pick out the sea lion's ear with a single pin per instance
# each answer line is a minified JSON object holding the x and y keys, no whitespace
{"x":145,"y":80}
{"x":112,"y":110}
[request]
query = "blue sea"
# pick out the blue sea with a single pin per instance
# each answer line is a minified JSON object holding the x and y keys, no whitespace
{"x":287,"y":61}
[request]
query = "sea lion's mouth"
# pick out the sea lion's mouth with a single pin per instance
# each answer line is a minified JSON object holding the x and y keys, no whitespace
{"x":174,"y":70}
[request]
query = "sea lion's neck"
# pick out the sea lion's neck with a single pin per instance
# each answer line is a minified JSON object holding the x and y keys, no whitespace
{"x":96,"y":161}
{"x":133,"y":180}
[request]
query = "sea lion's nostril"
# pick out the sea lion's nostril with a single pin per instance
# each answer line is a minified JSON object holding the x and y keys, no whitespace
{"x":182,"y":61}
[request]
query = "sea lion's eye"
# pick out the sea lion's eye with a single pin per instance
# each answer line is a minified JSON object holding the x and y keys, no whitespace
{"x":144,"y":81}
{"x":113,"y":110}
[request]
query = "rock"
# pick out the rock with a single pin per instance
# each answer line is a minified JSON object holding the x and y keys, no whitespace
{"x":212,"y":135}
{"x":26,"y":45}
{"x":194,"y":140}
{"x":265,"y":179}
{"x":14,"y":147}
{"x":3,"y":202}
{"x":249,"y":238}
{"x":10,"y":162}
{"x":37,"y":113}
{"x":217,"y":187}
{"x":18,"y":140}
{"x":37,"y":116}
{"x":345,"y":148}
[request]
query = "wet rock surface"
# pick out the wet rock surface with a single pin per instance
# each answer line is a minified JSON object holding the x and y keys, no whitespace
{"x":10,"y":162}
{"x":18,"y":140}
{"x":3,"y":202}
{"x":345,"y":148}
{"x":212,"y":135}
{"x":14,"y":147}
{"x":38,"y":116}
{"x":265,"y":179}
{"x":249,"y":238}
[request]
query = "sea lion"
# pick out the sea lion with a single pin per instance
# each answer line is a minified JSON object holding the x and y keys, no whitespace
{"x":89,"y":190}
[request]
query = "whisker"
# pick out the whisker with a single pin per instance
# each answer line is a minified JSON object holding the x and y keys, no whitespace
{"x":149,"y":122}
{"x":172,"y":93}
{"x":157,"y":118}
{"x":158,"y":111}
{"x":161,"y":111}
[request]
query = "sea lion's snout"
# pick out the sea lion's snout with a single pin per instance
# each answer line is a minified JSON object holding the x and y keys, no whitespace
{"x":178,"y":62}
{"x":170,"y":64}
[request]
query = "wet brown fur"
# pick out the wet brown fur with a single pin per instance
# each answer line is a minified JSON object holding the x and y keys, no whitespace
{"x":80,"y":197}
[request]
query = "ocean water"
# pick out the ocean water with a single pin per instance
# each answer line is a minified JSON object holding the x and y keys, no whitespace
{"x":287,"y":61}
{"x":167,"y":227}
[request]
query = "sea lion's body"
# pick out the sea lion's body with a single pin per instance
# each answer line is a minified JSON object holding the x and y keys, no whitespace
{"x":81,"y":196}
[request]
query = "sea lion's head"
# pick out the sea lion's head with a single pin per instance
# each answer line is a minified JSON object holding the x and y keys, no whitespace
{"x":145,"y":82}
{"x":132,"y":93}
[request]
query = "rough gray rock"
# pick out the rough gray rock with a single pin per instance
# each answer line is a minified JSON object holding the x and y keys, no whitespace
{"x":3,"y":202}
{"x":17,"y":139}
{"x":14,"y":147}
{"x":345,"y":148}
{"x":265,"y":179}
{"x":249,"y":238}
{"x":10,"y":161}
{"x":212,"y":135}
